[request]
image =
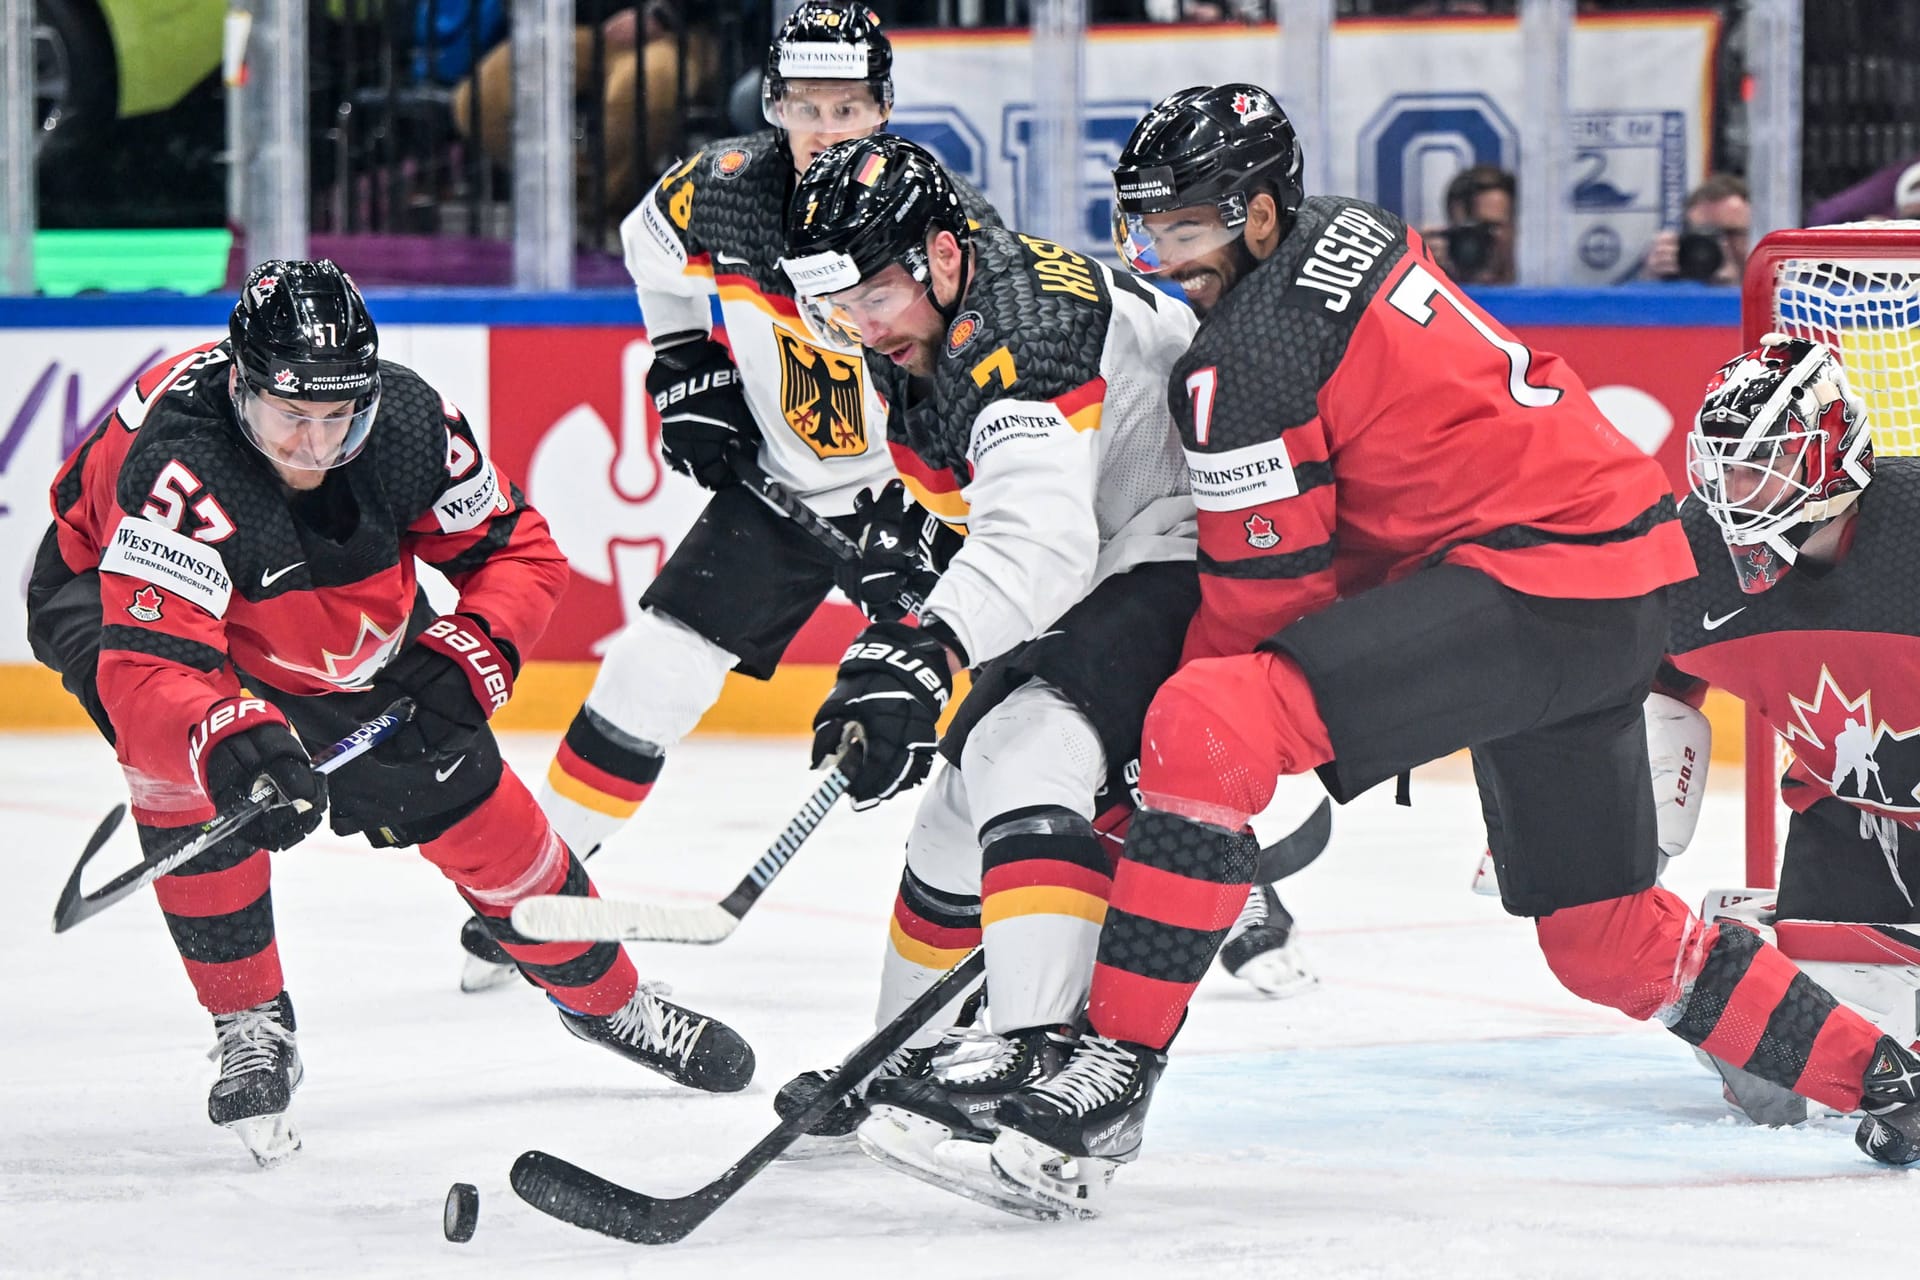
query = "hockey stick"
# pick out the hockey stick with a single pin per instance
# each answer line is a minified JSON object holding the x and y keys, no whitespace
{"x":73,"y":906}
{"x":572,"y":1194}
{"x":817,"y":526}
{"x":551,"y":917}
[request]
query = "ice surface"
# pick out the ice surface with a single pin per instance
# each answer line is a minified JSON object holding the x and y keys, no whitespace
{"x":1438,"y":1107}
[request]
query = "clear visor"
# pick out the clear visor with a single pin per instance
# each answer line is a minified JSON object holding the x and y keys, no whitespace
{"x":821,"y":106}
{"x":306,"y":435}
{"x":873,"y":307}
{"x":1162,"y":243}
{"x":1753,"y":490}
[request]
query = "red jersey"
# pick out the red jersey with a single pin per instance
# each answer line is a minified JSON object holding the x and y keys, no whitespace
{"x":212,"y":573}
{"x":1350,"y":416}
{"x":1830,"y":659}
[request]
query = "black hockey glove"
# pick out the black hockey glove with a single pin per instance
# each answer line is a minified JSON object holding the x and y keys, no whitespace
{"x":243,"y":740}
{"x":704,"y":419}
{"x":458,"y":675}
{"x":894,"y":682}
{"x":903,"y":550}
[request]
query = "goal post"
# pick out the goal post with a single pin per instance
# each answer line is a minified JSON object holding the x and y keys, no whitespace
{"x":1856,"y":288}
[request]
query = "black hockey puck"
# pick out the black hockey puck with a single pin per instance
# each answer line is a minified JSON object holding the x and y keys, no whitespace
{"x":462,"y":1213}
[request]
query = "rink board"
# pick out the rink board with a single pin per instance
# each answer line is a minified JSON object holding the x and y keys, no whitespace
{"x":555,"y":385}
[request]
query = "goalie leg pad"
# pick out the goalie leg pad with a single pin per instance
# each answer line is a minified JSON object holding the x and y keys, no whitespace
{"x":505,"y":851}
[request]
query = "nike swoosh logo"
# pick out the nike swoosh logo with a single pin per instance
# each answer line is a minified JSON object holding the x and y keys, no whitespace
{"x":268,"y":579}
{"x":728,"y":260}
{"x":441,"y":775}
{"x":1710,"y":622}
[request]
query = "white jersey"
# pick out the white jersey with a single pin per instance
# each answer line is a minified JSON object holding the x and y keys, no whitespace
{"x":713,"y":227}
{"x":1045,"y":435}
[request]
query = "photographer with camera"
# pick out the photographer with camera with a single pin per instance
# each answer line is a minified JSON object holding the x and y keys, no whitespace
{"x":1711,"y":246}
{"x":1476,"y":245}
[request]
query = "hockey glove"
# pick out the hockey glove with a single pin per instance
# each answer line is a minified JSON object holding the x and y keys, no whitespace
{"x":458,"y":675}
{"x":894,"y":682}
{"x":903,"y":549}
{"x":244,"y":740}
{"x":704,"y":419}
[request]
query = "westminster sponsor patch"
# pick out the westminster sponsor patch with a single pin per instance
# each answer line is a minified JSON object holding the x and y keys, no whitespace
{"x":1240,"y":478}
{"x":467,"y":504}
{"x":153,"y":553}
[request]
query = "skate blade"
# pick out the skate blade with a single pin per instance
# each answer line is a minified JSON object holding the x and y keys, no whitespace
{"x":478,"y":975}
{"x":926,"y":1150}
{"x":814,"y":1146}
{"x":270,"y":1139}
{"x":1278,"y":974}
{"x":1074,"y":1186}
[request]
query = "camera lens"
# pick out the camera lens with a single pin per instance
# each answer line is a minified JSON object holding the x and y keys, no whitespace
{"x":1469,"y":248}
{"x":1699,"y":255}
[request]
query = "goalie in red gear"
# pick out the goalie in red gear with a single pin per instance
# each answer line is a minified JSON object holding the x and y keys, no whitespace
{"x":1462,"y":552}
{"x":1811,"y":630}
{"x":229,"y":582}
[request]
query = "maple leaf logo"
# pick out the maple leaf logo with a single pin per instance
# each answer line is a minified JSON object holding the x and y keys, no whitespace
{"x":1260,"y":532}
{"x":354,"y":669}
{"x":1863,"y":759}
{"x":146,"y":604}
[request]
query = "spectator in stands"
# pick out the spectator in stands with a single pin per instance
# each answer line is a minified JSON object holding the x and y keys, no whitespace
{"x":1906,"y":193}
{"x":1476,"y":244}
{"x":1712,"y":245}
{"x":645,"y":36}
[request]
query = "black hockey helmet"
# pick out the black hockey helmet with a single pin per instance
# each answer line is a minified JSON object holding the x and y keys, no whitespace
{"x":862,"y":206}
{"x":827,"y":40}
{"x":308,"y":359}
{"x":1781,"y":445}
{"x":1210,"y":144}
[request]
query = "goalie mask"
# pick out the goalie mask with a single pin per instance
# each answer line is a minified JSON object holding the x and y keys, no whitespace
{"x":1780,"y":447}
{"x":307,"y":361}
{"x":828,"y":40}
{"x":1203,"y":151}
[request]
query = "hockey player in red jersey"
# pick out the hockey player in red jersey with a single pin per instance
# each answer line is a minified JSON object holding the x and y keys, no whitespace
{"x":1809,"y":627}
{"x":229,"y":583}
{"x":1416,"y":535}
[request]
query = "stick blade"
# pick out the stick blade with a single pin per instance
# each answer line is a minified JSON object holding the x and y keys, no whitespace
{"x":565,"y":1191}
{"x":70,"y":908}
{"x":554,"y":918}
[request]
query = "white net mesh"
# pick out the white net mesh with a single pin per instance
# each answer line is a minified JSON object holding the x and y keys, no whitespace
{"x":1867,"y":309}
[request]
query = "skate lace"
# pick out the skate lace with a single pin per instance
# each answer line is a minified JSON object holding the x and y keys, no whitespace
{"x":650,"y":1024}
{"x":249,"y":1040}
{"x":1099,"y":1072}
{"x":1251,"y":914}
{"x":974,"y":1053}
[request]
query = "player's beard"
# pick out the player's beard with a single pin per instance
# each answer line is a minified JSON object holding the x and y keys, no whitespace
{"x":1215,"y":282}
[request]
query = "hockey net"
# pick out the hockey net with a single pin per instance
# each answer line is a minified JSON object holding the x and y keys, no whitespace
{"x":1855,"y":287}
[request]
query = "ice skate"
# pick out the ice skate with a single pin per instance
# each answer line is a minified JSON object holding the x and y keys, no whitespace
{"x":833,"y":1133}
{"x":1890,"y":1132}
{"x":259,"y":1070}
{"x":1262,"y":951}
{"x":936,"y":1127}
{"x":486,"y":964}
{"x":686,"y":1047}
{"x":1061,"y":1139}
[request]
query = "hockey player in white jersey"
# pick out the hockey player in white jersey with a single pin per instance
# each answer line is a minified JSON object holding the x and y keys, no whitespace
{"x":1027,"y":388}
{"x":792,"y":398}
